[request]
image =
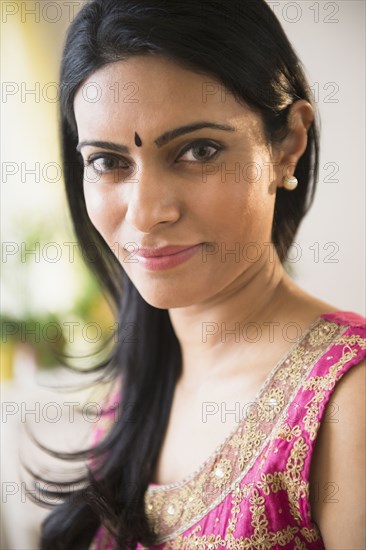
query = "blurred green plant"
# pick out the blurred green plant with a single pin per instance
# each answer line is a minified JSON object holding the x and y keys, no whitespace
{"x":46,"y":297}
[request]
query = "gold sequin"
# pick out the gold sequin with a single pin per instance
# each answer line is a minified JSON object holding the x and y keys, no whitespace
{"x":174,"y":509}
{"x":226,"y":469}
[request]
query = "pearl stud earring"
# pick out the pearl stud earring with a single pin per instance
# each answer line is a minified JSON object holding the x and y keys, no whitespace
{"x":290,"y":183}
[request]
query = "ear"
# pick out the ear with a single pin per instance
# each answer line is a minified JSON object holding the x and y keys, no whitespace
{"x":290,"y":150}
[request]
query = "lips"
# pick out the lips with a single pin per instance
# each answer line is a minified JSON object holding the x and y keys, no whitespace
{"x":165,"y":257}
{"x":162,"y":251}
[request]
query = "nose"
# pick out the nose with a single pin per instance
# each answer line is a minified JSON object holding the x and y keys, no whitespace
{"x":152,"y":200}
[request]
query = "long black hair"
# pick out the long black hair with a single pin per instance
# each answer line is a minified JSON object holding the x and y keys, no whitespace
{"x":241,"y":44}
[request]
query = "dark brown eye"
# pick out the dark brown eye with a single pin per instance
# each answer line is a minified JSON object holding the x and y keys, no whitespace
{"x":201,"y":151}
{"x":104,"y":164}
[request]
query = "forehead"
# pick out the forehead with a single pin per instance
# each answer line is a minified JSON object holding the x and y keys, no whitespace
{"x":152,"y":91}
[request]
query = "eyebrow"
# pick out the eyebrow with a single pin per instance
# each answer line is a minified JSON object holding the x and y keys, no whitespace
{"x":163,"y":139}
{"x":103,"y":145}
{"x":172,"y":134}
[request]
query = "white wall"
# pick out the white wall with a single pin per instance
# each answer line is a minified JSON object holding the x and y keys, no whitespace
{"x":333,"y":54}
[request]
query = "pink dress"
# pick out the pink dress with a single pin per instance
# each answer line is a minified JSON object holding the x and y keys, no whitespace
{"x":253,"y":491}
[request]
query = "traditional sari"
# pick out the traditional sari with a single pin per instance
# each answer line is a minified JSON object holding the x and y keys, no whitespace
{"x":253,"y":491}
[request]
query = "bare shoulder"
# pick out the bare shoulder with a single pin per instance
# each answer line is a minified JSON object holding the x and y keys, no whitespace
{"x":338,"y":469}
{"x":301,"y":305}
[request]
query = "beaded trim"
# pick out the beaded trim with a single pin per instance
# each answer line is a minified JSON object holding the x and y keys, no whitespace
{"x":173,"y":508}
{"x":167,"y":486}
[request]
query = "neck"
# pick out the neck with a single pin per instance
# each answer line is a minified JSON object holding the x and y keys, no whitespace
{"x":209,"y":332}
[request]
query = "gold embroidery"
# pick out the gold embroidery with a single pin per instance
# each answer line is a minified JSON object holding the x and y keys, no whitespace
{"x":262,"y":538}
{"x":321,"y":385}
{"x":221,"y":473}
{"x":205,"y":489}
{"x":287,"y":433}
{"x":175,"y":508}
{"x":299,"y":545}
{"x":272,"y":483}
{"x":289,"y":480}
{"x":323,"y":333}
{"x":271,"y":404}
{"x":311,"y":535}
{"x":247,"y":447}
{"x":296,"y":487}
{"x":352,"y":340}
{"x":282,"y":537}
{"x":293,"y":367}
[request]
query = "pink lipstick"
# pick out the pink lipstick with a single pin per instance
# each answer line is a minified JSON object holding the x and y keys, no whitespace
{"x":166,"y":257}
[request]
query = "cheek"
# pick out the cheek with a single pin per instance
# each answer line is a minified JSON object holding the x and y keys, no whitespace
{"x":245,"y":209}
{"x":237,"y":206}
{"x":104,"y":212}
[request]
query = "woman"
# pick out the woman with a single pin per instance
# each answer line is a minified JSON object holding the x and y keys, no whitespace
{"x":190,"y":151}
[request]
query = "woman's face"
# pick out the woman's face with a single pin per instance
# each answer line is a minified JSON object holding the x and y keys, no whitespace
{"x":208,"y":186}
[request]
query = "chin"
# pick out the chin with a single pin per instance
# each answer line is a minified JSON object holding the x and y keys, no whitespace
{"x":165,"y":296}
{"x":167,"y":301}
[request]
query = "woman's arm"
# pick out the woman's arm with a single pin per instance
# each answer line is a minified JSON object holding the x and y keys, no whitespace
{"x":337,"y":477}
